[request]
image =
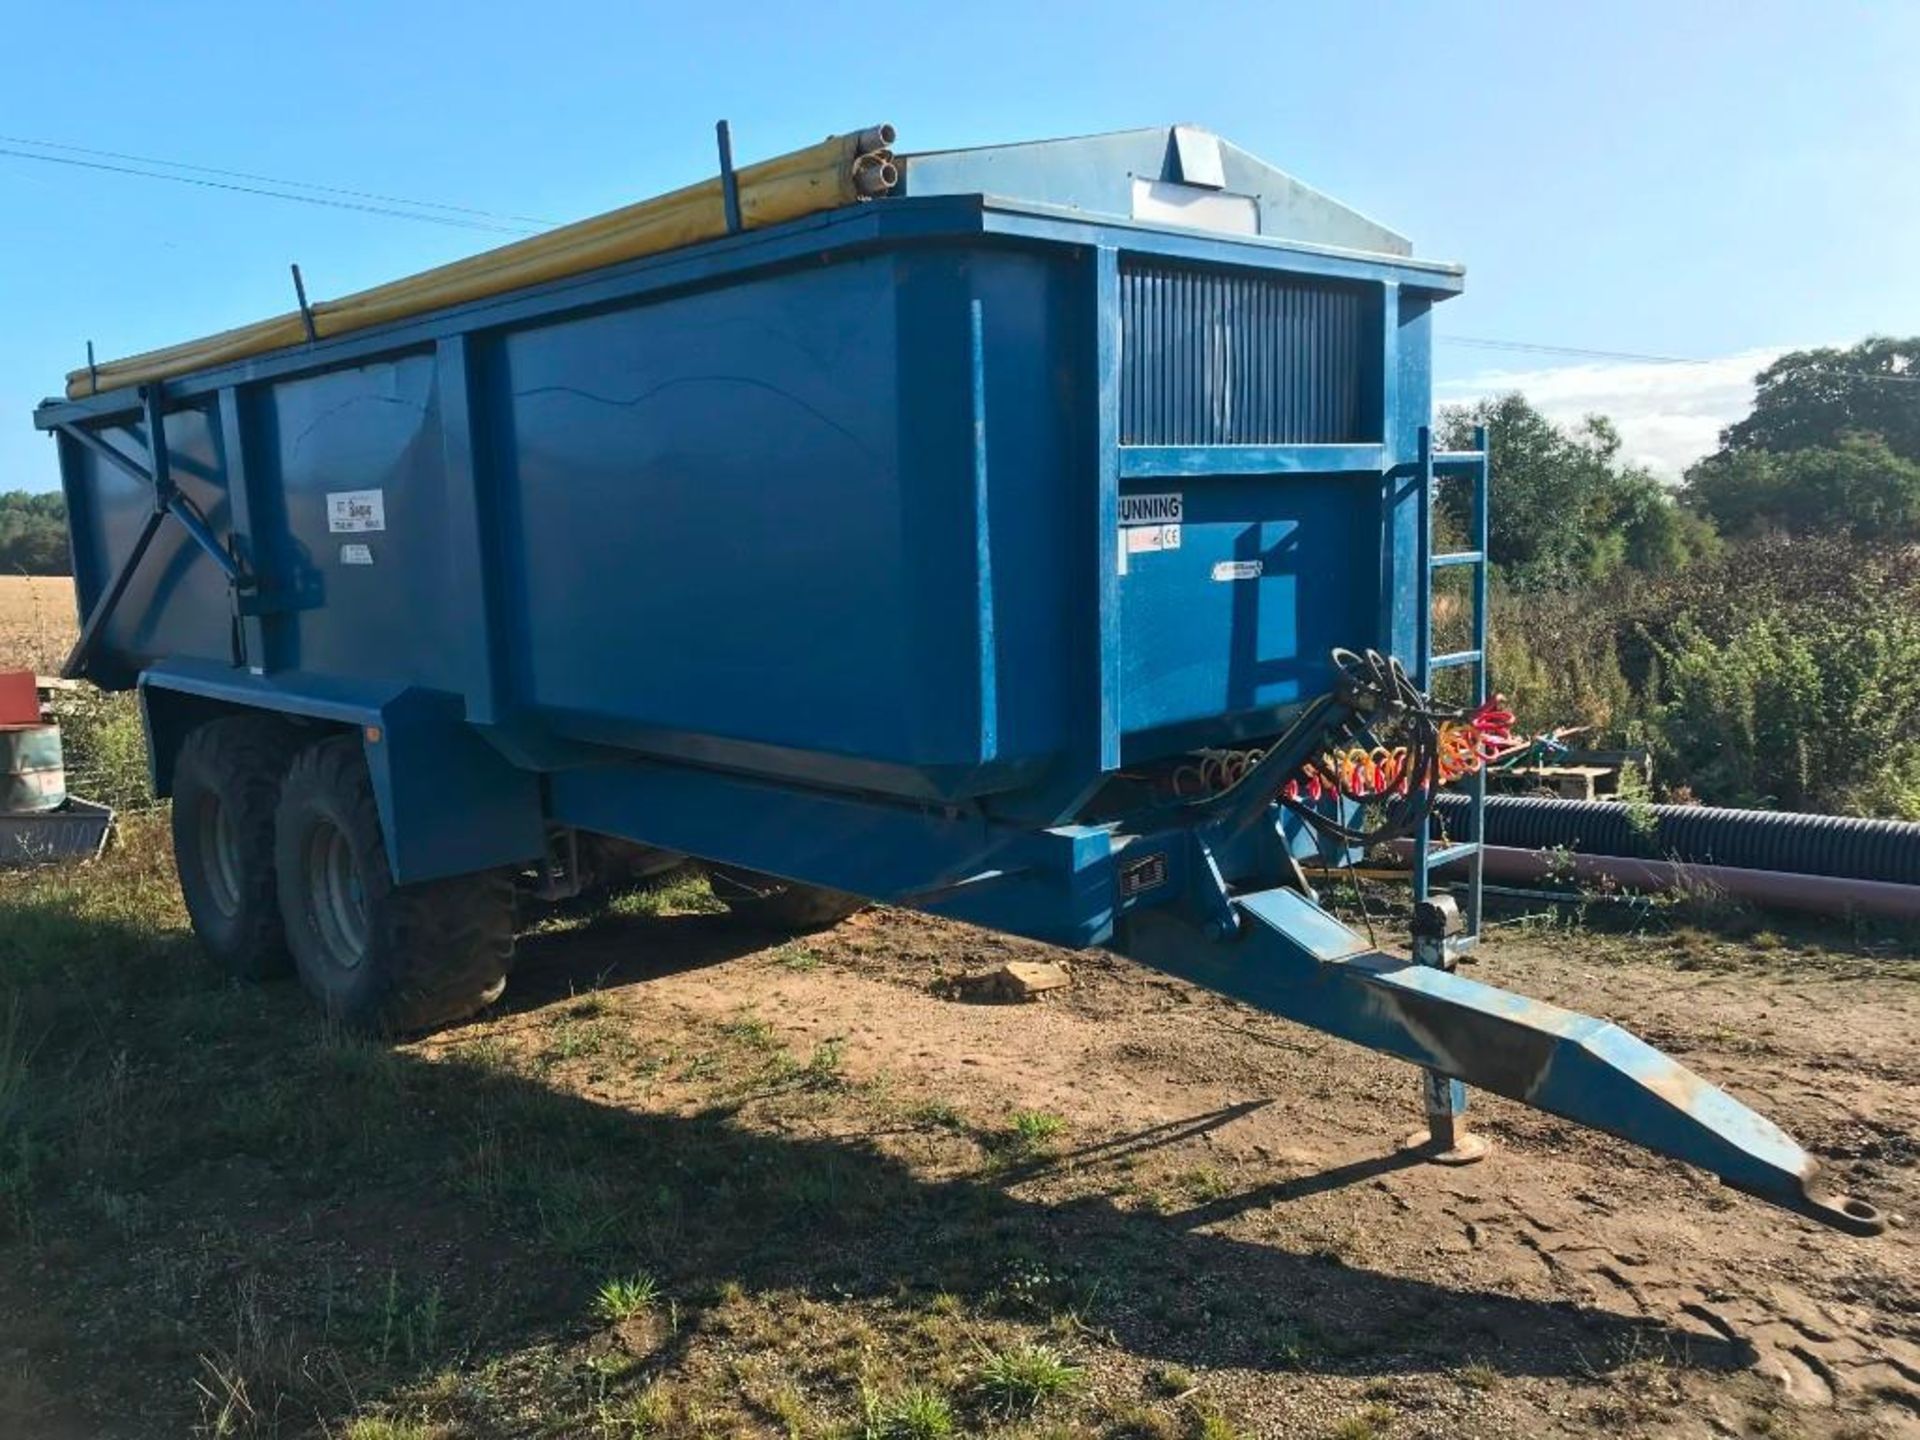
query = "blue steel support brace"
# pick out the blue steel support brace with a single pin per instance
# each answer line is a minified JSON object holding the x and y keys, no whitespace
{"x":1291,"y":958}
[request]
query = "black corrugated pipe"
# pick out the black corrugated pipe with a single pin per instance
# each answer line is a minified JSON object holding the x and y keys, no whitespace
{"x":1885,"y":850}
{"x":1777,"y":890}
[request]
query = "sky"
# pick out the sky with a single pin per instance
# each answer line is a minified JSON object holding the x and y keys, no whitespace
{"x":1710,"y":182}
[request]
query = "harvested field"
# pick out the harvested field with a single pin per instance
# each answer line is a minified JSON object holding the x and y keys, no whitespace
{"x":36,"y":621}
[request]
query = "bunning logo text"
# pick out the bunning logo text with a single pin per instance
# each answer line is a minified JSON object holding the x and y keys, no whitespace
{"x":1150,"y":509}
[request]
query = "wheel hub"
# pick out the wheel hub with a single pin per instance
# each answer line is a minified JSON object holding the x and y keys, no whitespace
{"x":336,"y":896}
{"x":220,"y":855}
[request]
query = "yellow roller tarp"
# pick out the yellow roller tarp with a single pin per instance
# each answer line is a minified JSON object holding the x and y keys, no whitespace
{"x":838,"y":171}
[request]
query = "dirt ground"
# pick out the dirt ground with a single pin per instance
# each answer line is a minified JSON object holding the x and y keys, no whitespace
{"x":1266,"y":1153}
{"x":849,"y":1183}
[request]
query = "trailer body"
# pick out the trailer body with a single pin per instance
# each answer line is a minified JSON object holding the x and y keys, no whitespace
{"x":874,"y":550}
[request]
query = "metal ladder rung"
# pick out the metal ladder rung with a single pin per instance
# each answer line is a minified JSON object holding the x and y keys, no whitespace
{"x":1448,"y":854}
{"x":1471,"y":466}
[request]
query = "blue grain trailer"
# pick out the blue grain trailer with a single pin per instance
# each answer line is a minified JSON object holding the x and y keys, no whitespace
{"x":913,"y":549}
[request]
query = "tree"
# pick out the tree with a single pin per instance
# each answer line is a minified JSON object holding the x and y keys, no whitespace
{"x":33,"y":534}
{"x":1809,"y":399}
{"x":1857,"y":486}
{"x":1659,"y":535}
{"x":1565,"y":511}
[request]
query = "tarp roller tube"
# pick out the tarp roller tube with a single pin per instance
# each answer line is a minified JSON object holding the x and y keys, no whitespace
{"x":840,"y":170}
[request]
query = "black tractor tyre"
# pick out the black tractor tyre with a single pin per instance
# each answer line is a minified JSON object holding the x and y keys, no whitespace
{"x":379,"y":957}
{"x":226,"y":787}
{"x":780,"y":904}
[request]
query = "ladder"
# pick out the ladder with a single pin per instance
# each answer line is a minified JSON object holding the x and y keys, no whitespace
{"x":1446,"y":1138}
{"x":1427,"y":857}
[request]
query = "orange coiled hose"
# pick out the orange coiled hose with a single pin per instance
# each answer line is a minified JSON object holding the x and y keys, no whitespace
{"x":1358,"y":772}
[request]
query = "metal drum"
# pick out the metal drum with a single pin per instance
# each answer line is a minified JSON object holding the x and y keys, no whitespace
{"x":32,"y":778}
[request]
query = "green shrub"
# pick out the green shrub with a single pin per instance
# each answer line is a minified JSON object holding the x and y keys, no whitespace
{"x":1796,"y":710}
{"x":105,"y":749}
{"x":1779,"y":673}
{"x":1556,"y":659}
{"x":1786,"y":674}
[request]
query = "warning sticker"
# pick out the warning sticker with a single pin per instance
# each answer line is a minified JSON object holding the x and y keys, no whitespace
{"x":1139,"y":539}
{"x":356,"y":554}
{"x":1151,"y":509}
{"x":1238,"y":570}
{"x":352,"y":512}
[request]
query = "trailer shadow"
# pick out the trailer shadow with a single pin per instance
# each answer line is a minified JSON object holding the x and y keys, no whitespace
{"x":716,"y":1209}
{"x":616,"y":950}
{"x":228,"y":1200}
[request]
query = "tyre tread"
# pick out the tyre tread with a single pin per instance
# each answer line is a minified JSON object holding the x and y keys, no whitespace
{"x":254,"y":753}
{"x":446,"y":944}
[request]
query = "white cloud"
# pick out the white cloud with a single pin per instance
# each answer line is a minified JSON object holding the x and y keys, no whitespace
{"x":1669,"y":415}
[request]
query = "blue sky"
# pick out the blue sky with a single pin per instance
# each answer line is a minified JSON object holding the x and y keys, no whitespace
{"x":1685,"y":179}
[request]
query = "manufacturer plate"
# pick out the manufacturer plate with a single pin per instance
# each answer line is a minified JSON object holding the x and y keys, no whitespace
{"x":1137,"y":877}
{"x":353,"y":512}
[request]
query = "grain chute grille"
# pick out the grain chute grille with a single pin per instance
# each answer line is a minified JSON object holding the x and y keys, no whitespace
{"x":1223,"y":357}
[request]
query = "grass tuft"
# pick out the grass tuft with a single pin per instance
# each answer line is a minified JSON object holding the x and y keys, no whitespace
{"x":623,"y":1298}
{"x":1211,"y":1424}
{"x":684,"y":892}
{"x":1171,"y":1380}
{"x":1021,"y":1378}
{"x":381,"y":1427}
{"x":1477,"y":1376}
{"x":1031,"y":1132}
{"x":1372,"y":1423}
{"x":824,"y":1065}
{"x":797,"y":957}
{"x":940,"y":1114}
{"x":917,"y":1413}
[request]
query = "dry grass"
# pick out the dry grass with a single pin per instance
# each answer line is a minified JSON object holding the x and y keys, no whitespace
{"x":36,"y":622}
{"x":429,"y":1249}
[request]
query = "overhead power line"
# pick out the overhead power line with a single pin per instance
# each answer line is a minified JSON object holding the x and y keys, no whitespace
{"x":1479,"y":344}
{"x":458,"y":222}
{"x":277,"y":180}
